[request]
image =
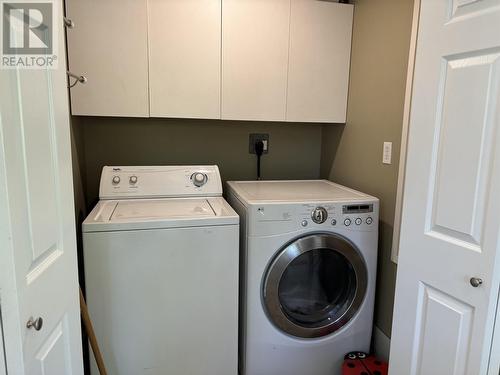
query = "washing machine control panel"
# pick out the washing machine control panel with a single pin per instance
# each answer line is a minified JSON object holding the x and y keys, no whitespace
{"x":160,"y":181}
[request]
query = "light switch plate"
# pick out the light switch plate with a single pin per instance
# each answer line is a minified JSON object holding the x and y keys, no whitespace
{"x":387,"y":154}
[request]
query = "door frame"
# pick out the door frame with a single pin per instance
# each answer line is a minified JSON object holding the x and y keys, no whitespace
{"x":398,"y":211}
{"x":494,"y":360}
{"x":3,"y":364}
{"x":11,"y":323}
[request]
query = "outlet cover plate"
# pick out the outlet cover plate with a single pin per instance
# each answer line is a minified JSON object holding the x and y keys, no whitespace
{"x":254,"y":138}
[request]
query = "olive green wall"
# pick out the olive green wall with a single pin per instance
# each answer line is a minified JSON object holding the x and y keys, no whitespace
{"x":295,"y":149}
{"x":352,"y":154}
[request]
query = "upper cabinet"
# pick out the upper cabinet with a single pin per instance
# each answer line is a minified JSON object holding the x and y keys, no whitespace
{"x":184,"y":58}
{"x":269,"y":60}
{"x":255,"y":36}
{"x":109,"y":47}
{"x":319,"y":60}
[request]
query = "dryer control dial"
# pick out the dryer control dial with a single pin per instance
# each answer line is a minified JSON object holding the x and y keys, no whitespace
{"x":319,"y":215}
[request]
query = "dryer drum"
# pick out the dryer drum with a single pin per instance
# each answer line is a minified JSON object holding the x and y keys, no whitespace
{"x":315,"y":285}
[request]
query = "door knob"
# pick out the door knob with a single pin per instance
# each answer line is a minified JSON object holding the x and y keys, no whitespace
{"x":475,"y":281}
{"x":36,"y":324}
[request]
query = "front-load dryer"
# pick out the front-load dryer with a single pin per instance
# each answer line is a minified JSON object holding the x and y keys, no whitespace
{"x":307,"y":275}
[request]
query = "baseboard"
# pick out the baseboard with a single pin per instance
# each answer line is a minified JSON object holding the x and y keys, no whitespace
{"x":381,"y":344}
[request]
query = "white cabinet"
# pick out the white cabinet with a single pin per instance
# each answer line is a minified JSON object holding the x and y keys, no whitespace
{"x":184,"y":58}
{"x":109,"y":46}
{"x":268,"y":60}
{"x":285,"y":60}
{"x":255,"y":36}
{"x":319,"y":59}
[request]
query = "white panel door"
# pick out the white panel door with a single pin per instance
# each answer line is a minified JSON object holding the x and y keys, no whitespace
{"x":320,"y":55}
{"x":255,"y":36}
{"x":109,"y":46}
{"x":443,"y":317}
{"x":38,"y":269}
{"x":184,"y":58}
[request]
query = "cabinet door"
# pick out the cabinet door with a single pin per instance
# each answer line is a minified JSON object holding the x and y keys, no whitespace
{"x":320,"y":49}
{"x":185,"y":54}
{"x":255,"y":35}
{"x":109,"y":46}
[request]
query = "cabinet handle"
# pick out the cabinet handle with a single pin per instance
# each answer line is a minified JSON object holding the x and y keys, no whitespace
{"x":78,"y":79}
{"x":68,"y":22}
{"x":37,"y":324}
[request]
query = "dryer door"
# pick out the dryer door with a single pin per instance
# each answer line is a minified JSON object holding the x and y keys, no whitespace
{"x":315,"y":285}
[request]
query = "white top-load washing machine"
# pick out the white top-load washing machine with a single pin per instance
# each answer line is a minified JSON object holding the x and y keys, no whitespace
{"x":161,"y":272}
{"x":308,"y":266}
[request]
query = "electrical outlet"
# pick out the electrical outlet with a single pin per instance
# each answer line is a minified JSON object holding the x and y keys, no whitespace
{"x":254,"y":138}
{"x":387,"y":154}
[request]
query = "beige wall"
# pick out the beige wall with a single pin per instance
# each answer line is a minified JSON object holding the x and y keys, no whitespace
{"x":295,"y":149}
{"x":352,"y":154}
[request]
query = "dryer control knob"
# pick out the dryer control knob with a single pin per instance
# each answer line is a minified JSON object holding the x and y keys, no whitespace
{"x":116,"y":180}
{"x":347,"y":222}
{"x":319,"y":215}
{"x":133,"y":180}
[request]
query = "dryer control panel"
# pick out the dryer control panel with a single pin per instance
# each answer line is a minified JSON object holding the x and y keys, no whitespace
{"x":267,"y":219}
{"x":160,"y":182}
{"x":358,"y":214}
{"x":354,"y":216}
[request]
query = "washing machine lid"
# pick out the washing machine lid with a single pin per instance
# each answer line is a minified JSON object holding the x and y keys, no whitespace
{"x":151,"y":209}
{"x":255,"y":192}
{"x":130,"y":214}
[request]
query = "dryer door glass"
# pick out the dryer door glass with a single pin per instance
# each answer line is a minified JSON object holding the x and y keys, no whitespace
{"x":315,"y":285}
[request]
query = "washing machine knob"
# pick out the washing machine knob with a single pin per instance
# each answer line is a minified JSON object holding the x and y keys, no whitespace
{"x":199,"y":179}
{"x":116,"y":180}
{"x":347,"y":222}
{"x":319,"y":215}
